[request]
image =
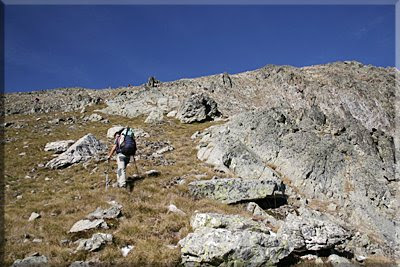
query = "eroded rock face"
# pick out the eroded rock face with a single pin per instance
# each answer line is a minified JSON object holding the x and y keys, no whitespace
{"x":322,"y":156}
{"x":198,"y":108}
{"x":135,"y":103}
{"x":233,"y":190}
{"x":83,"y":150}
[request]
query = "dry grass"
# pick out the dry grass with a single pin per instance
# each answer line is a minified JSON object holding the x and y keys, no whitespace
{"x":72,"y":193}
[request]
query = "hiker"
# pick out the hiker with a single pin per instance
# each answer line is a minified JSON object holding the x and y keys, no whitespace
{"x":125,"y":147}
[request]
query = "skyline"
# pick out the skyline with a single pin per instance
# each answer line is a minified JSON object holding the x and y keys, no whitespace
{"x":103,"y":46}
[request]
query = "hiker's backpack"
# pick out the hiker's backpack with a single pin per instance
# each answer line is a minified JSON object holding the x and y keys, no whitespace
{"x":126,"y":143}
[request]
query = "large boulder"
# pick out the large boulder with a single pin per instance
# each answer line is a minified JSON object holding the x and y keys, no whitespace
{"x":198,"y":108}
{"x":230,"y":241}
{"x":83,"y":150}
{"x":233,"y":190}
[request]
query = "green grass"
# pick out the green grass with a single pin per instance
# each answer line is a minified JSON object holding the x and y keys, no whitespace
{"x":73,"y":192}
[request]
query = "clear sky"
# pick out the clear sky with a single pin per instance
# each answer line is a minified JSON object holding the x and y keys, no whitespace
{"x":100,"y":46}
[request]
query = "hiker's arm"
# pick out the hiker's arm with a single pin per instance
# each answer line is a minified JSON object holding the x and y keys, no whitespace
{"x":112,"y":151}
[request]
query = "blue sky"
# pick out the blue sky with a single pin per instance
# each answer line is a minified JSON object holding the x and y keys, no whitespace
{"x":100,"y":46}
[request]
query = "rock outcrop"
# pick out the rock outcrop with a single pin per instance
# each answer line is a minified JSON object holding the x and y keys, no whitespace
{"x":198,"y":108}
{"x":326,"y":158}
{"x":83,"y":150}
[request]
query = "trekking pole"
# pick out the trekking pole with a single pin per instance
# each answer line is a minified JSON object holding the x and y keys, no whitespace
{"x":106,"y":172}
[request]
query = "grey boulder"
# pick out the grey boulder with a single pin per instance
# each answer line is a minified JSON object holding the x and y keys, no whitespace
{"x":309,"y":233}
{"x":232,"y":222}
{"x":36,"y":260}
{"x":94,"y":243}
{"x":84,"y":225}
{"x":198,"y":108}
{"x":155,"y":116}
{"x":58,"y":146}
{"x":83,"y":150}
{"x":233,"y":190}
{"x":112,"y":212}
{"x":216,"y":247}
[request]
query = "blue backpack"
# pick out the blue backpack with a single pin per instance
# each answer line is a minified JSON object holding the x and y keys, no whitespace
{"x":126,"y":143}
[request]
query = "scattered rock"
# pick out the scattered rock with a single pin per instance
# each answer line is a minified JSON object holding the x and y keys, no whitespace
{"x":34,"y":216}
{"x":8,"y":124}
{"x":112,"y":212}
{"x":37,"y":240}
{"x":81,"y":264}
{"x":155,"y":116}
{"x":83,"y":150}
{"x":338,"y":261}
{"x":94,"y":243}
{"x":93,"y":118}
{"x":172,"y":113}
{"x":164,"y":150}
{"x":84,"y":225}
{"x":172,"y":208}
{"x":174,"y":181}
{"x":36,"y":260}
{"x":198,"y":108}
{"x":125,"y":250}
{"x":233,"y":190}
{"x":65,"y":242}
{"x":22,"y":154}
{"x":59,"y":146}
{"x":152,"y":173}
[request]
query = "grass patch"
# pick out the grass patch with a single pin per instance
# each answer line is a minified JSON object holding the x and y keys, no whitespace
{"x":65,"y":196}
